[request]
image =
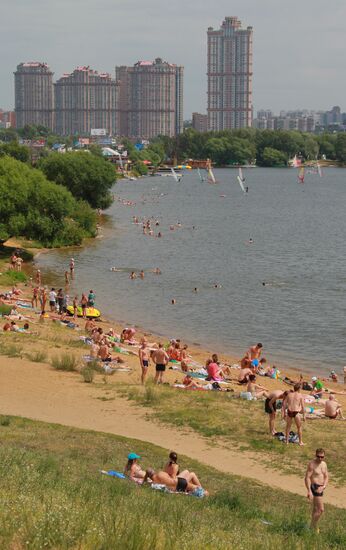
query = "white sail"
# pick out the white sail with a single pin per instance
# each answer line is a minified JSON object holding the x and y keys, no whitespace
{"x":241,"y":184}
{"x":200,"y":175}
{"x":241,"y":175}
{"x":174,"y":174}
{"x":211,"y":177}
{"x":319,"y":170}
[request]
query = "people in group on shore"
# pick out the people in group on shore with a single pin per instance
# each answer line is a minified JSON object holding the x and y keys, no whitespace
{"x":133,"y":469}
{"x":60,"y":300}
{"x":317,"y":387}
{"x":144,"y":359}
{"x":35,"y":295}
{"x":332,"y":409}
{"x":256,"y":390}
{"x":173,"y":470}
{"x":316,"y":481}
{"x":179,"y":484}
{"x":254,"y":352}
{"x":52,"y":299}
{"x":270,"y":407}
{"x":160,"y":358}
{"x":91,"y":298}
{"x":84,"y":304}
{"x":292,"y":406}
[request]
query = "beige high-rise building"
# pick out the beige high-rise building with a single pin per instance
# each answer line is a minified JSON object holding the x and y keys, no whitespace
{"x":86,"y":100}
{"x":34,"y":99}
{"x":229,"y":70}
{"x":150,"y":99}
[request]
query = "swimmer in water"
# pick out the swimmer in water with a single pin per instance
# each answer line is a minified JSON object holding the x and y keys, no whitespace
{"x":251,"y":240}
{"x":141,"y":274}
{"x":159,"y":234}
{"x":217,"y":286}
{"x":157,"y":271}
{"x":195,"y":289}
{"x":173,"y":301}
{"x":133,"y":275}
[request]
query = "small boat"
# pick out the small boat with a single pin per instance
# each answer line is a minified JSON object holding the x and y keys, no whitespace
{"x":91,"y":312}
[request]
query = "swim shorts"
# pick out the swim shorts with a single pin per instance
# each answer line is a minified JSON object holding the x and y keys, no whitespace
{"x":292,"y":414}
{"x":267,"y":408}
{"x":52,"y":303}
{"x":181,"y":485}
{"x":145,"y":364}
{"x":314,"y":487}
{"x":160,"y":367}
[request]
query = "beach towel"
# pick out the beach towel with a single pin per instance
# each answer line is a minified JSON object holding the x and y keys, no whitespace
{"x":113,"y":473}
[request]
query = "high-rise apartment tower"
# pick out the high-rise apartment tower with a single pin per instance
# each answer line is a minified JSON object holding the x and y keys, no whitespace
{"x":150,"y":99}
{"x":86,"y":100}
{"x":229,"y":76}
{"x":34,"y":100}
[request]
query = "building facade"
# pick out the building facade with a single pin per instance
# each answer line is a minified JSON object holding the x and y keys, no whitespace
{"x":150,"y":99}
{"x":86,"y":100}
{"x":229,"y":71}
{"x":34,"y":95}
{"x":200,"y":122}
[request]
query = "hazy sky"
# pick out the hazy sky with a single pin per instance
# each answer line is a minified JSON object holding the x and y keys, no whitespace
{"x":299,"y":45}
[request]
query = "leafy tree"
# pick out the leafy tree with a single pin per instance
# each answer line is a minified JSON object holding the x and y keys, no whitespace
{"x":273,"y":157}
{"x":8,"y":134}
{"x":33,"y":207}
{"x":340,"y":147}
{"x":87,"y":176}
{"x":13,"y":149}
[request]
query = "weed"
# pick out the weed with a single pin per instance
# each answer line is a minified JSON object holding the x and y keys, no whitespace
{"x":38,"y":357}
{"x":4,"y":421}
{"x":13,"y":351}
{"x":65,"y":362}
{"x":88,"y":374}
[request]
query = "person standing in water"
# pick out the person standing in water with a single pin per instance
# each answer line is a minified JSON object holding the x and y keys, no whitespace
{"x":72,"y":268}
{"x":316,"y":480}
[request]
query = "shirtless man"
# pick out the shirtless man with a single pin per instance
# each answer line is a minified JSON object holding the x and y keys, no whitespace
{"x":179,"y":484}
{"x":244,"y":374}
{"x":104,"y":353}
{"x":144,"y":358}
{"x":316,"y":480}
{"x":292,"y":405}
{"x":270,"y":407}
{"x":72,"y":268}
{"x":255,"y":389}
{"x":332,"y":408}
{"x":160,"y":358}
{"x":254,"y":352}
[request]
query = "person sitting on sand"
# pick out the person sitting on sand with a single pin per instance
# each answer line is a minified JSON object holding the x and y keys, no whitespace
{"x":133,"y":469}
{"x":179,"y":484}
{"x":14,"y":327}
{"x":244,"y":374}
{"x":215,"y":373}
{"x":172,"y":469}
{"x":333,"y":376}
{"x":7,"y":327}
{"x":190,"y":383}
{"x":184,"y":366}
{"x":245,"y":363}
{"x":317,"y":388}
{"x":332,"y":409}
{"x":255,"y":389}
{"x":89,"y":326}
{"x":104,"y":353}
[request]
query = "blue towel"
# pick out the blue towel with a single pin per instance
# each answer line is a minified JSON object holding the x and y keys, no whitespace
{"x":113,"y":473}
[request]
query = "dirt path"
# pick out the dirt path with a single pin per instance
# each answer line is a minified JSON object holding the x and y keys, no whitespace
{"x":37,"y":392}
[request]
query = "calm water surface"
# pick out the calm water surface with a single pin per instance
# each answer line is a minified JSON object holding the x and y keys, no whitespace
{"x":298,"y":250}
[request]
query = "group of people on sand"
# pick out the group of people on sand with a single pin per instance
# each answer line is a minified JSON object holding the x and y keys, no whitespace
{"x":170,"y":476}
{"x":16,"y":261}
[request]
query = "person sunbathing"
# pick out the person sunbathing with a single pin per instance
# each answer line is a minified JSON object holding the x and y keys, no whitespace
{"x":133,"y":469}
{"x":190,"y":383}
{"x":172,"y":469}
{"x":104,"y":353}
{"x":215,"y":373}
{"x":89,"y":326}
{"x":255,"y":389}
{"x":332,"y":409}
{"x":179,"y":484}
{"x":244,"y":374}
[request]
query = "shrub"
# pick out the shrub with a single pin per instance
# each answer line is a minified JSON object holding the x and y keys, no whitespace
{"x":13,"y":351}
{"x":65,"y":362}
{"x":38,"y":357}
{"x":88,"y":374}
{"x":4,"y":421}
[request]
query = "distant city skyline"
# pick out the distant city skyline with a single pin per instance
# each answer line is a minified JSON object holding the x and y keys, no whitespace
{"x":298,"y":46}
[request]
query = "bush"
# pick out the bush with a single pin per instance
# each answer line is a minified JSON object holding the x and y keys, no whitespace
{"x":4,"y":421}
{"x":16,"y":276}
{"x":65,"y":362}
{"x":38,"y":357}
{"x":88,"y":374}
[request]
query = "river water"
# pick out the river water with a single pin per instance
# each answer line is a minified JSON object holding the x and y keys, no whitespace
{"x":298,"y":250}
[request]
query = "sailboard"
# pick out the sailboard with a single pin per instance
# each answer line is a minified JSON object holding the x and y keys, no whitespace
{"x":211,"y":177}
{"x":241,"y":180}
{"x":202,"y":179}
{"x":319,"y":170}
{"x":175,"y":175}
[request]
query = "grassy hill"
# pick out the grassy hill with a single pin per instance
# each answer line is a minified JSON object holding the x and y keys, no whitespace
{"x":53,"y":496}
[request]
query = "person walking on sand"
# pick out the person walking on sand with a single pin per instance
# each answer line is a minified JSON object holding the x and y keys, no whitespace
{"x":270,"y":407}
{"x":316,"y":480}
{"x":160,"y":358}
{"x":292,"y":406}
{"x":144,"y":358}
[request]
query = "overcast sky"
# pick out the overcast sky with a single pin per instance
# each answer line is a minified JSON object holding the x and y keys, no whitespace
{"x":299,"y":45}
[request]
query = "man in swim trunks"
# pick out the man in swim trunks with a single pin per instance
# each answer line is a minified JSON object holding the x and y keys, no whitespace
{"x":144,"y":358}
{"x":270,"y":407}
{"x":332,"y":408}
{"x":292,"y":405}
{"x":316,"y":480}
{"x":254,"y":352}
{"x":178,"y":484}
{"x":160,"y":358}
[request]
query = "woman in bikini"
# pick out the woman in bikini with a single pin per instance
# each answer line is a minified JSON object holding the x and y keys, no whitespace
{"x":172,"y":469}
{"x":133,"y":469}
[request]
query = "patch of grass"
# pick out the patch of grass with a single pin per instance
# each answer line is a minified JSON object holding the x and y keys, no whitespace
{"x":88,"y":374}
{"x":10,"y":276}
{"x":53,"y":496}
{"x":38,"y":357}
{"x":65,"y":362}
{"x":5,"y":309}
{"x":12,"y":350}
{"x":4,"y":421}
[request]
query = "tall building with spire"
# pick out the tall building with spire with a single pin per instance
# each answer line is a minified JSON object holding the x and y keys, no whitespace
{"x":34,"y":97}
{"x":229,"y":70}
{"x":86,"y":100}
{"x":150,"y":99}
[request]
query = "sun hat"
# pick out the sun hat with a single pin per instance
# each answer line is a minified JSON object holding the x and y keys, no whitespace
{"x":314,"y":378}
{"x":132,"y":456}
